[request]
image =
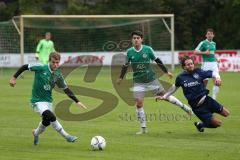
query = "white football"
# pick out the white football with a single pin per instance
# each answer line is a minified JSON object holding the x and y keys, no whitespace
{"x":98,"y":143}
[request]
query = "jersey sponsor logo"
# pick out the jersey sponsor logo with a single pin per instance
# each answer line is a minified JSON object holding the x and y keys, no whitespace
{"x":47,"y":87}
{"x":196,"y":76}
{"x":140,"y":66}
{"x":144,"y":55}
{"x":191,"y":84}
{"x":132,"y":57}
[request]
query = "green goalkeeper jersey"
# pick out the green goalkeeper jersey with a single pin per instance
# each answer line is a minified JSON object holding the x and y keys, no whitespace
{"x":141,"y":63}
{"x":207,"y":45}
{"x":44,"y":82}
{"x":44,"y":48}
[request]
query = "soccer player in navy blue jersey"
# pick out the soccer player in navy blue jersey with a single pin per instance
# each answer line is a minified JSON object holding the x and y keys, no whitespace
{"x":192,"y":82}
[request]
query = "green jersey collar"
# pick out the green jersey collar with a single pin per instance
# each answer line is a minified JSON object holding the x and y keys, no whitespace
{"x":139,"y":49}
{"x":49,"y":68}
{"x":209,"y":41}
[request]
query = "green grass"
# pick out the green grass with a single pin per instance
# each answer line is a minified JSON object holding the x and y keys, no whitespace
{"x":167,"y":138}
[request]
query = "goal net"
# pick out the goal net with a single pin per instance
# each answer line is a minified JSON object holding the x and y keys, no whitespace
{"x":9,"y":38}
{"x":87,"y":33}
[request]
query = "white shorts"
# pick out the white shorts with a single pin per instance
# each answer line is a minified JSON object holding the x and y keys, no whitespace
{"x":212,"y":66}
{"x":140,"y":88}
{"x":40,"y":107}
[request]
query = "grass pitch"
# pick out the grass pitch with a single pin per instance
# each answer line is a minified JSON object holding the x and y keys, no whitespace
{"x":171,"y":134}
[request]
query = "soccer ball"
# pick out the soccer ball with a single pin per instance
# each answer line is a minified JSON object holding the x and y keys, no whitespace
{"x":98,"y":143}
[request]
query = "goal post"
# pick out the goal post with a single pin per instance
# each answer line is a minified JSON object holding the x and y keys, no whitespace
{"x":158,"y":30}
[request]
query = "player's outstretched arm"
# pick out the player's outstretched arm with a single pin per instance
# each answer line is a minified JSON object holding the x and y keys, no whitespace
{"x":201,"y":52}
{"x":123,"y":72}
{"x":163,"y":67}
{"x":170,"y":91}
{"x":74,"y":98}
{"x":216,"y":78}
{"x":13,"y":80}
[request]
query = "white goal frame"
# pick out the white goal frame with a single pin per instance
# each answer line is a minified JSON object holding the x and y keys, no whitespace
{"x":162,"y":16}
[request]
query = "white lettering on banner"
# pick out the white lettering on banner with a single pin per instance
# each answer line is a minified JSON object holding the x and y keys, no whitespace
{"x":84,"y":59}
{"x":5,"y":60}
{"x":229,"y":60}
{"x":30,"y":59}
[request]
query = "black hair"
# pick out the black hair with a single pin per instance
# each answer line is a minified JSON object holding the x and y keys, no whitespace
{"x":48,"y":33}
{"x":138,"y":33}
{"x":210,"y":30}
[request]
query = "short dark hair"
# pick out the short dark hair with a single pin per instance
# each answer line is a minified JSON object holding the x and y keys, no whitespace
{"x":54,"y":55}
{"x":210,"y":30}
{"x":138,"y":33}
{"x":183,"y":59}
{"x":48,"y":33}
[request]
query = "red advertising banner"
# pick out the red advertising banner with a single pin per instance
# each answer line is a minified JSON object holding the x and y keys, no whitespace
{"x":228,"y":60}
{"x":197,"y":58}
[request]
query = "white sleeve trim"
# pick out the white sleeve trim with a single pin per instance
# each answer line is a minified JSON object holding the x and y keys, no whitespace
{"x":29,"y":65}
{"x":63,"y":88}
{"x":198,"y":47}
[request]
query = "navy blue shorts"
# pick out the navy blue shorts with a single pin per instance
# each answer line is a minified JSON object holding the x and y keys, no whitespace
{"x":205,"y":111}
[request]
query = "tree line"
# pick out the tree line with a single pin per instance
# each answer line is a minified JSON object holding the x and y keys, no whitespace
{"x":192,"y":17}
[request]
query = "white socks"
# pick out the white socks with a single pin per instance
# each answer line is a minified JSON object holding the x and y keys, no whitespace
{"x":141,"y":117}
{"x":215,"y":91}
{"x":41,"y":128}
{"x":175,"y":101}
{"x":58,"y":127}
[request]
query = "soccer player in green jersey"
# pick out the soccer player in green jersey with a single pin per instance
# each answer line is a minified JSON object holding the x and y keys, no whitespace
{"x":140,"y":57}
{"x":46,"y":77}
{"x":44,"y":48}
{"x":207,"y":49}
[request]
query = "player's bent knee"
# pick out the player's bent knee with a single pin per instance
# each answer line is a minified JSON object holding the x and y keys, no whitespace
{"x":225,"y":112}
{"x":139,"y":103}
{"x":45,"y":122}
{"x":216,"y":123}
{"x":48,"y":116}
